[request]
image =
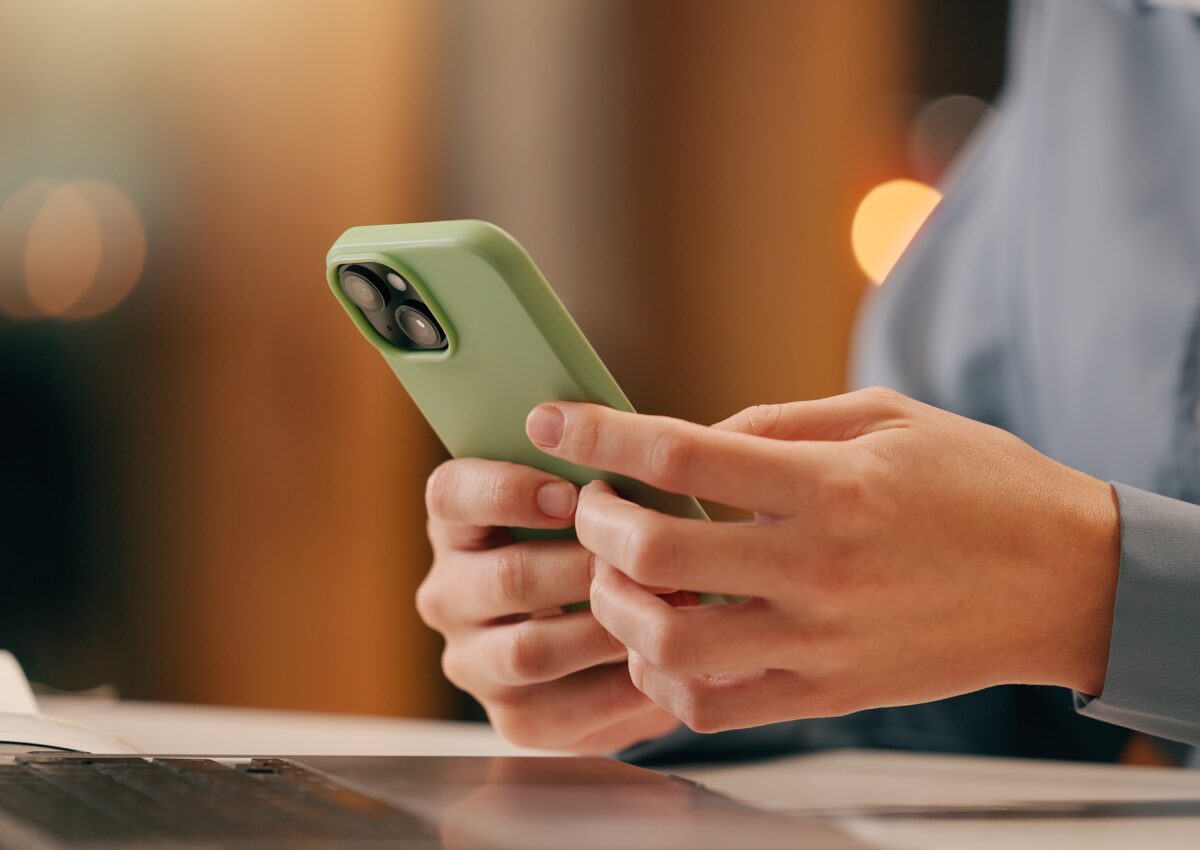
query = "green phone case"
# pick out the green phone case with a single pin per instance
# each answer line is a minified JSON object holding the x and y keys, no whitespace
{"x":512,"y":345}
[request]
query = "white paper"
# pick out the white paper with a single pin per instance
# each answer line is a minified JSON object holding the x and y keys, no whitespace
{"x":16,"y":697}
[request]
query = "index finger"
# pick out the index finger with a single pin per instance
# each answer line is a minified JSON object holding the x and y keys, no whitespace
{"x":670,"y":454}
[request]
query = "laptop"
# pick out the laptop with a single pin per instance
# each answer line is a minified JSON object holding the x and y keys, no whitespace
{"x":61,"y":800}
{"x":63,"y":784}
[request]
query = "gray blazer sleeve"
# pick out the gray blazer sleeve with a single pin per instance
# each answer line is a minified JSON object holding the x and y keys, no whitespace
{"x":1153,"y":680}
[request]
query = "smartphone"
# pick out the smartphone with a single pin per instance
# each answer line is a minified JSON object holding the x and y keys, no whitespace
{"x":478,"y":338}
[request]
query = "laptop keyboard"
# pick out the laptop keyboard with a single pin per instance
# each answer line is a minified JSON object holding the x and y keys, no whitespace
{"x":134,"y":801}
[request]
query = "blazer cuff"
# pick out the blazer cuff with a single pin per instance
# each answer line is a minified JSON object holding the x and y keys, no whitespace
{"x":1153,"y":678}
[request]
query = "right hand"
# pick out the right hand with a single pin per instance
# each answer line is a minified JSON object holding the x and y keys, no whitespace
{"x":546,"y":678}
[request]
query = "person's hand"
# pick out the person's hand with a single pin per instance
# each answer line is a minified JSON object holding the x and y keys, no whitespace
{"x":900,"y":554}
{"x":546,"y":678}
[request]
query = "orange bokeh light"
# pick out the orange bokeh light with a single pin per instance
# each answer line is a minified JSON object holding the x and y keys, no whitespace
{"x":68,"y":249}
{"x":885,"y":222}
{"x":124,"y":254}
{"x":62,"y":251}
{"x":16,"y":215}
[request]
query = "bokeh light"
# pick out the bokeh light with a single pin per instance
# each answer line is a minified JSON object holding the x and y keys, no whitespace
{"x":62,"y":251}
{"x":124,"y":254}
{"x":939,"y":131}
{"x":885,"y":222}
{"x":16,"y":215}
{"x":68,"y":249}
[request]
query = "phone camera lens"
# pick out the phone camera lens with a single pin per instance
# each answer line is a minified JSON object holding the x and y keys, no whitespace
{"x":419,"y":326}
{"x":361,"y":288}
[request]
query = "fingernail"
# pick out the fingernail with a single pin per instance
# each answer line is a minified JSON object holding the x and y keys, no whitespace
{"x":557,"y":499}
{"x":545,"y":425}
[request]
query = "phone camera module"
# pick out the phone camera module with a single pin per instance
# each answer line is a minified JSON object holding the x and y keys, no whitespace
{"x":420,"y":327}
{"x":392,"y":305}
{"x":362,"y":289}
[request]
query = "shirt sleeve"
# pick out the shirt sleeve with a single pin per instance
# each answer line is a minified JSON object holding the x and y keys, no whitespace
{"x":1153,"y":678}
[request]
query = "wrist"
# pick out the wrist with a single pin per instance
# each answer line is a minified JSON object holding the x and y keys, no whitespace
{"x":1089,"y":566}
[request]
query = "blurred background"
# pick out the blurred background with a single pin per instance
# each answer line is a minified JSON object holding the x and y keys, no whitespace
{"x":191,"y":504}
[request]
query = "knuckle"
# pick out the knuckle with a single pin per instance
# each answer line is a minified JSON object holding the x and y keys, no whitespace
{"x":883,"y":399}
{"x":742,"y":421}
{"x":852,"y":514}
{"x":621,"y":695}
{"x":430,"y":606}
{"x":705,"y":721}
{"x":827,"y":584}
{"x":611,"y":642}
{"x":698,"y":711}
{"x":520,"y":717}
{"x":584,"y":435}
{"x":827,"y":599}
{"x":438,"y":489}
{"x":513,"y":578}
{"x":454,"y":670}
{"x":671,"y":454}
{"x":636,"y":665}
{"x":651,"y":553}
{"x":762,"y":419}
{"x":841,"y":491}
{"x":667,"y":645}
{"x":501,"y":493}
{"x":527,"y":655}
{"x":517,"y":726}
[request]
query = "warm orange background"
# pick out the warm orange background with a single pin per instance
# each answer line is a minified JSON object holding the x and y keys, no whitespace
{"x":685,"y":172}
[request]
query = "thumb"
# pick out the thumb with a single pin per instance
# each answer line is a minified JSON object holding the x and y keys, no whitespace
{"x":839,"y":417}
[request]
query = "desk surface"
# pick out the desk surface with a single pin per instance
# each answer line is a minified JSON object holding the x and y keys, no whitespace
{"x":844,"y":782}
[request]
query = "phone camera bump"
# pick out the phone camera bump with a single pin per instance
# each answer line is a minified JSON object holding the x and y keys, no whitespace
{"x":420,"y":327}
{"x":397,"y":281}
{"x":362,"y":289}
{"x":392,"y":306}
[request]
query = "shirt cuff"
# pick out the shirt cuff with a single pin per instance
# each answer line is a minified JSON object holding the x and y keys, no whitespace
{"x":1153,"y":678}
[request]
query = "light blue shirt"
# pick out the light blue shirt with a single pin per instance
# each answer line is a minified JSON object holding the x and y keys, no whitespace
{"x":1055,"y":292}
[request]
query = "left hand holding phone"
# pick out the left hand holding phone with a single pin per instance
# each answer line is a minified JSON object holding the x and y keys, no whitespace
{"x":547,"y":678}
